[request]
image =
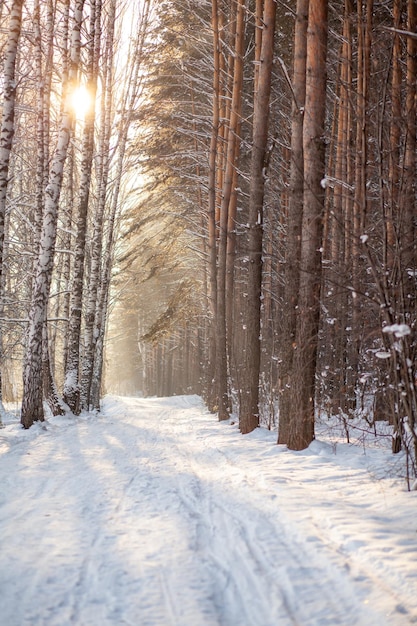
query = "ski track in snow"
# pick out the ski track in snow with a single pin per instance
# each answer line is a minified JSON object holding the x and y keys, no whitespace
{"x":154,"y":514}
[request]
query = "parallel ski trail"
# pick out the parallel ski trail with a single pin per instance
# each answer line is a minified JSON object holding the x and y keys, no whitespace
{"x":138,"y":517}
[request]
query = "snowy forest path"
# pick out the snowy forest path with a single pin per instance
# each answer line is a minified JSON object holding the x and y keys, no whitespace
{"x":149,"y":515}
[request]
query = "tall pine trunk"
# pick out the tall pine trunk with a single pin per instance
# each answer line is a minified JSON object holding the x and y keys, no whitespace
{"x":232,"y":153}
{"x":295,"y":216}
{"x":249,"y":409}
{"x":302,"y":403}
{"x":211,"y":392}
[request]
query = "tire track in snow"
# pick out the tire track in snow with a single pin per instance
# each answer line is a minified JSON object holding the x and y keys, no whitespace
{"x":259,"y":572}
{"x":344,"y":602}
{"x":140,"y":518}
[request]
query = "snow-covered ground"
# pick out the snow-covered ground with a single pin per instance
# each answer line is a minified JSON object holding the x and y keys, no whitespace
{"x":154,"y":514}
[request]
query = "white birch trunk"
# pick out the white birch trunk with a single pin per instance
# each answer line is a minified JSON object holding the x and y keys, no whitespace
{"x":7,"y":124}
{"x":72,"y":366}
{"x":32,"y":407}
{"x":97,"y":238}
{"x":98,"y":296}
{"x":7,"y":121}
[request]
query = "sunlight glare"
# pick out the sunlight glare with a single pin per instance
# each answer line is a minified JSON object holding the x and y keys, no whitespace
{"x":81,"y":101}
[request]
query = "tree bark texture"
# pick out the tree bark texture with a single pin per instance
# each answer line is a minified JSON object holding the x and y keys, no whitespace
{"x":249,"y":409}
{"x":32,"y":408}
{"x":91,"y":298}
{"x":295,"y":216}
{"x":232,"y":153}
{"x":304,"y":370}
{"x":8,"y":127}
{"x":72,"y":366}
{"x":7,"y":120}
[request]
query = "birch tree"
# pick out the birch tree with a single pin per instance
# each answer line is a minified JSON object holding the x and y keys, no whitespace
{"x":8,"y":112}
{"x":32,"y":406}
{"x":72,"y":366}
{"x":108,"y":199}
{"x":7,"y":131}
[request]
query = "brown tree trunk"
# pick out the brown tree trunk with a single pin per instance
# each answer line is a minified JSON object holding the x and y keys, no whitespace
{"x":249,"y":409}
{"x":409,"y":203}
{"x":211,"y":395}
{"x":302,"y":403}
{"x":295,"y":216}
{"x":232,"y":154}
{"x":360,"y":205}
{"x":335,"y":393}
{"x":395,"y":139}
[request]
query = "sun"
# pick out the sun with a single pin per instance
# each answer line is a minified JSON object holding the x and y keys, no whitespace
{"x":81,"y":102}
